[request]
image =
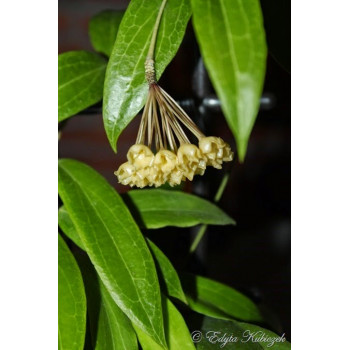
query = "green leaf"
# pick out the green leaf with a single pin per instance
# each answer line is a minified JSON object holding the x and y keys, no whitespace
{"x":160,"y":208}
{"x":68,"y":228}
{"x":165,"y":268}
{"x":168,"y":273}
{"x":216,"y":299}
{"x":232,"y":42}
{"x":125,"y":88}
{"x":114,"y":244}
{"x":80,"y":81}
{"x":110,"y":328}
{"x":71,"y":301}
{"x":103,"y":29}
{"x":177,"y":334}
{"x":122,"y":334}
{"x":235,"y":335}
{"x":255,"y":331}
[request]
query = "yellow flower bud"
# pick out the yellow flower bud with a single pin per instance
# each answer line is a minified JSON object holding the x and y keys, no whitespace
{"x":215,"y":150}
{"x":140,"y":156}
{"x":165,"y":161}
{"x":191,"y":160}
{"x":126,"y":174}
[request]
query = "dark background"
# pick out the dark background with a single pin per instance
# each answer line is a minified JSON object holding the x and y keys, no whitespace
{"x":254,"y":257}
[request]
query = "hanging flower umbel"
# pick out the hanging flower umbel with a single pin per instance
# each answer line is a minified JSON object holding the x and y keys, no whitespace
{"x":161,"y":129}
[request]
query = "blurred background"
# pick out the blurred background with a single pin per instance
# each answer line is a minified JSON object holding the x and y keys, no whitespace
{"x":253,"y":257}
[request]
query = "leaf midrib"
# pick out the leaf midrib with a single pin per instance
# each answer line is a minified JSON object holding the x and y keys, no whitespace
{"x":81,"y":76}
{"x":60,"y":106}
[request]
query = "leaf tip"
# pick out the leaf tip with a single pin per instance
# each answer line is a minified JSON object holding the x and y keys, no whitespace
{"x":113,"y":142}
{"x":242,"y":145}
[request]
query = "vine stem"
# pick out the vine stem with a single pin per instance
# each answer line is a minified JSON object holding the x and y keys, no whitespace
{"x":203,"y":228}
{"x":149,"y":64}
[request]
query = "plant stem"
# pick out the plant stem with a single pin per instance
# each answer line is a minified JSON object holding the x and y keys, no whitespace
{"x":203,"y":228}
{"x":152,"y":46}
{"x":221,"y":188}
{"x":149,"y":64}
{"x":198,"y":238}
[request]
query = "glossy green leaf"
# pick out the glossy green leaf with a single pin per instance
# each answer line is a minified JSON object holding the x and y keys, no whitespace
{"x":114,"y":244}
{"x":216,"y":334}
{"x":71,"y":301}
{"x":168,"y":273}
{"x":68,"y":228}
{"x":166,"y":270}
{"x":103,"y":29}
{"x":122,"y":334}
{"x":232,"y":42}
{"x":110,"y":328}
{"x":177,"y":333}
{"x":80,"y":81}
{"x":125,"y":87}
{"x":253,"y":332}
{"x":160,"y":208}
{"x":216,"y":299}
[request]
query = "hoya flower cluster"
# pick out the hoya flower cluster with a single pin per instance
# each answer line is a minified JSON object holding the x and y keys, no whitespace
{"x":175,"y":158}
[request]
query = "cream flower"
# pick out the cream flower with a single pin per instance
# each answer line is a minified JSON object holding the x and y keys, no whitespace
{"x":176,"y":158}
{"x":165,"y":161}
{"x":161,"y":130}
{"x":164,"y":166}
{"x":191,"y":160}
{"x":216,"y":150}
{"x":126,"y":174}
{"x":140,"y":156}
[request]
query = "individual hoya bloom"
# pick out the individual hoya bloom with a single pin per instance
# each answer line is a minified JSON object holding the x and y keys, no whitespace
{"x":166,"y":165}
{"x":216,"y":151}
{"x":140,"y":156}
{"x":165,"y":161}
{"x":126,"y":174}
{"x":191,"y":160}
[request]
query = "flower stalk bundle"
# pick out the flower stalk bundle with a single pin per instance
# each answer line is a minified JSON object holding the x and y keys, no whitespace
{"x":161,"y":129}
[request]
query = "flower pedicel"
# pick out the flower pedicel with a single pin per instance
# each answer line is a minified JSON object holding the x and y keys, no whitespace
{"x":161,"y":128}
